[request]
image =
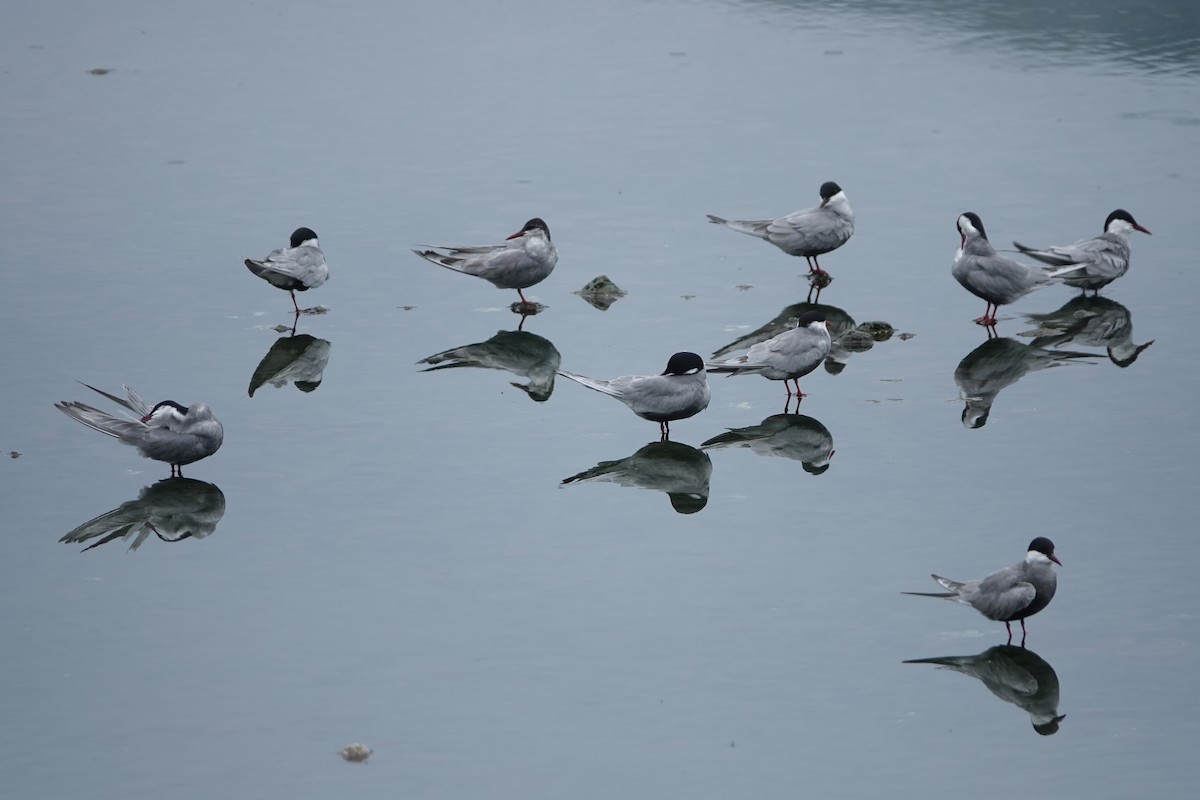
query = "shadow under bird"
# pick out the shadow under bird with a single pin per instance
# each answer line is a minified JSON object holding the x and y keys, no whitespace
{"x":1101,"y":259}
{"x":526,"y":258}
{"x":167,"y":432}
{"x":810,"y":232}
{"x":1016,"y":676}
{"x":681,"y":471}
{"x":1089,"y":322}
{"x":681,"y":391}
{"x":787,"y":357}
{"x":997,"y":364}
{"x":1008,"y":594}
{"x":992,"y":277}
{"x":518,"y":352}
{"x":296,"y":268}
{"x":793,"y":436}
{"x":173,"y":509}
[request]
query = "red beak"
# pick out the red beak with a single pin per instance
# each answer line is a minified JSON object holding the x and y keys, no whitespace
{"x":522,"y":233}
{"x":1137,"y":227}
{"x":1054,"y":558}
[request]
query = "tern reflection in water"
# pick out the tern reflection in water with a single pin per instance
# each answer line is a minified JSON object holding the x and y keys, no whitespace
{"x":172,"y":509}
{"x":1089,"y":322}
{"x":292,"y":359}
{"x":848,"y":338}
{"x":518,"y":352}
{"x":1016,"y":676}
{"x":681,"y":471}
{"x":997,"y":364}
{"x":794,"y":436}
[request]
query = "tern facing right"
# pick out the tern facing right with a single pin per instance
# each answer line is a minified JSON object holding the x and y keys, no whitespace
{"x":167,"y":432}
{"x":789,"y":356}
{"x":1008,"y":594}
{"x":296,"y":268}
{"x":992,"y":277}
{"x":526,"y":258}
{"x":1102,"y":259}
{"x":681,"y":391}
{"x":810,"y":233}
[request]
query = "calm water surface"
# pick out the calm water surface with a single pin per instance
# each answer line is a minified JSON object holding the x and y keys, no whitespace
{"x":388,"y":555}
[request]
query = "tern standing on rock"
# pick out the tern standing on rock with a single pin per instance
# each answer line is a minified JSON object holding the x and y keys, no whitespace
{"x":526,"y":258}
{"x":789,"y":356}
{"x":297,"y":268}
{"x":810,"y":233}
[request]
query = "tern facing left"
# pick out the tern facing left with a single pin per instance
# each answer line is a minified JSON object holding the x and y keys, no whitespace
{"x":524,"y":259}
{"x":810,"y":232}
{"x":1008,"y":594}
{"x":297,"y":268}
{"x":992,"y":277}
{"x":681,"y":391}
{"x":167,"y":432}
{"x":1102,"y":259}
{"x":789,"y":356}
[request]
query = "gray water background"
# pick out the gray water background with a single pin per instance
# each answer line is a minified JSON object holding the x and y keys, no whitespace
{"x":397,"y":562}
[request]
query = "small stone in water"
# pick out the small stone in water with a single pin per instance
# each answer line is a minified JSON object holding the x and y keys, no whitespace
{"x":355,"y":753}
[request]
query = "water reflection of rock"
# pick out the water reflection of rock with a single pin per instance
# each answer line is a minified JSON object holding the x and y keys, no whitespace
{"x":847,"y":337}
{"x":292,"y":359}
{"x":995,"y":365}
{"x":172,"y":509}
{"x":1089,"y":322}
{"x":681,"y":471}
{"x":1016,"y":676}
{"x":793,"y":436}
{"x":518,"y":352}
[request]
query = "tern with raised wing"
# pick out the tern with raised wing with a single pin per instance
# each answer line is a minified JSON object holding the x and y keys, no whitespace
{"x":810,"y":232}
{"x":168,"y":431}
{"x":524,"y":259}
{"x":296,"y":268}
{"x":1008,"y":594}
{"x":1101,"y":259}
{"x":681,"y":391}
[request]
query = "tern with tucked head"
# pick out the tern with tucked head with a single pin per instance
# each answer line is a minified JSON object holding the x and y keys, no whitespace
{"x":992,"y":277}
{"x":168,"y":432}
{"x":296,"y":268}
{"x":787,"y":357}
{"x":681,"y":391}
{"x":1008,"y":594}
{"x":810,"y":233}
{"x":1101,"y":259}
{"x":524,"y":259}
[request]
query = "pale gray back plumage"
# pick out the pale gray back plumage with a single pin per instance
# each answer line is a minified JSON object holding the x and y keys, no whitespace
{"x":792,"y":354}
{"x":517,"y":263}
{"x":809,"y":232}
{"x":175,"y":438}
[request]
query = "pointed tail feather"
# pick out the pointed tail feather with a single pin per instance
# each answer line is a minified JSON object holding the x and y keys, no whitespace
{"x":1045,"y":256}
{"x":750,"y":227}
{"x":591,"y":383}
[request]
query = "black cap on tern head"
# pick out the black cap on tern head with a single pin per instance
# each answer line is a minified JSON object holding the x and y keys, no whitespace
{"x":809,"y":317}
{"x":1049,"y":728}
{"x":684,"y":364}
{"x":975,"y":221}
{"x":302,"y":235}
{"x":1045,"y":547}
{"x":1120,"y":213}
{"x":537,"y":223}
{"x":829,"y":189}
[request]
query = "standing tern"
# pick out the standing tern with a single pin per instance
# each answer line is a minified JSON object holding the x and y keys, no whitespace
{"x":1008,"y":594}
{"x":1102,"y":259}
{"x":167,"y":432}
{"x":681,"y":391}
{"x":789,"y":356}
{"x":810,"y":233}
{"x":524,"y":259}
{"x":297,"y":268}
{"x":992,"y":277}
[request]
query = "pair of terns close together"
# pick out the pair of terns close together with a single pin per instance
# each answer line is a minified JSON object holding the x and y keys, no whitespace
{"x":1089,"y":264}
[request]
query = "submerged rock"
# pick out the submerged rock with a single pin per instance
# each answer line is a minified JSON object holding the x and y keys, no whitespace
{"x":601,"y":292}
